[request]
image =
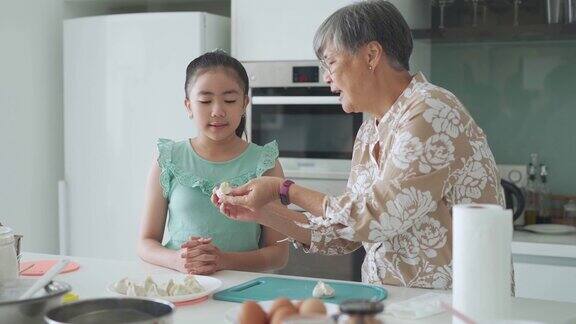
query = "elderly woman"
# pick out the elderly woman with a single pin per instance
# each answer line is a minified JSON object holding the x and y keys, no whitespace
{"x":419,"y":154}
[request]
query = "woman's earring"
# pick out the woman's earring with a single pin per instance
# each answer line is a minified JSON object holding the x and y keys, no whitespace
{"x":369,"y":67}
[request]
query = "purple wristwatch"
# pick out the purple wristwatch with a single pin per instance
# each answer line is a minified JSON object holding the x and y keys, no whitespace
{"x":283,"y":191}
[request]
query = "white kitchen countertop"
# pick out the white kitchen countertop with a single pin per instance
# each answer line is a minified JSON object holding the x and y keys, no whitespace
{"x":527,"y":243}
{"x":94,"y":275}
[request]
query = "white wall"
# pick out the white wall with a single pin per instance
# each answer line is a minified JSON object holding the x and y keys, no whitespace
{"x":31,"y":158}
{"x":31,"y":113}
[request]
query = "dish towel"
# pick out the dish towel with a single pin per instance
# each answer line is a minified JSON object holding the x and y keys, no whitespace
{"x":418,"y":307}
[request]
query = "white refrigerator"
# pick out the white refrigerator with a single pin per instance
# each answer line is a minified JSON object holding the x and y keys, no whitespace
{"x":123,"y":88}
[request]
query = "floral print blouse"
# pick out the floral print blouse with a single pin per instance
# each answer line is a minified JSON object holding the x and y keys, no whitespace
{"x":432,"y":157}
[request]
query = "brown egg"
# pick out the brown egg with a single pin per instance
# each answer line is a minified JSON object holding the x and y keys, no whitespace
{"x":312,"y":306}
{"x":280,"y":302}
{"x":299,"y":304}
{"x":252,"y":313}
{"x":283,"y":313}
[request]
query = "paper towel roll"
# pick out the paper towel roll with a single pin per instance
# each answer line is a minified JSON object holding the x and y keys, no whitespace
{"x":481,"y":264}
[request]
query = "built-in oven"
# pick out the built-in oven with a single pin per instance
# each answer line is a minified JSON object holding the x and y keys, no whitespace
{"x":291,"y":104}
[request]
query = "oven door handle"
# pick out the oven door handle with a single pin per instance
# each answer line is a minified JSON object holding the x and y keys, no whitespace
{"x":295,"y":100}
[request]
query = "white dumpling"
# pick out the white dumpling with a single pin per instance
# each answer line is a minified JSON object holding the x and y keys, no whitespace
{"x":168,"y":287}
{"x":193,"y":285}
{"x":121,"y":286}
{"x":148,"y":283}
{"x":135,"y":290}
{"x":154,"y":291}
{"x":223,"y":189}
{"x":180,"y":290}
{"x":322,"y":290}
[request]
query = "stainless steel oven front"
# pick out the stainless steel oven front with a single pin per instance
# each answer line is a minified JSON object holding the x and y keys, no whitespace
{"x":291,"y":104}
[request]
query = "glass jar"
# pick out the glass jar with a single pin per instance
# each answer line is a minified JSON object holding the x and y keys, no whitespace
{"x":360,"y":311}
{"x":9,"y":268}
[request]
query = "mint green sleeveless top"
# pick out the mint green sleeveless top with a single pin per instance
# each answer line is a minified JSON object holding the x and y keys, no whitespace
{"x":187,"y":181}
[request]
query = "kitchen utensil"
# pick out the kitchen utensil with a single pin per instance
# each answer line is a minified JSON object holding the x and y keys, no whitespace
{"x":113,"y":310}
{"x":232,"y":314}
{"x":210,"y":285}
{"x":40,"y":267}
{"x":442,"y":4}
{"x":8,"y":258}
{"x":268,"y":288}
{"x":514,"y":198}
{"x":25,"y":268}
{"x":32,"y":310}
{"x":45,"y":279}
{"x":554,"y":11}
{"x":570,"y":11}
{"x":457,"y":314}
{"x":550,"y":228}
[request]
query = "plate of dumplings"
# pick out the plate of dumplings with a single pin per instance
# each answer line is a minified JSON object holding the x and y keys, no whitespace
{"x":175,"y":288}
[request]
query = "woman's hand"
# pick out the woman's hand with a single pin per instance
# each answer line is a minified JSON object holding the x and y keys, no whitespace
{"x":238,"y":213}
{"x":253,"y":195}
{"x":199,"y":256}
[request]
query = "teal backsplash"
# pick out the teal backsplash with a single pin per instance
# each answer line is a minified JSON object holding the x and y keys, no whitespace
{"x":523,"y":94}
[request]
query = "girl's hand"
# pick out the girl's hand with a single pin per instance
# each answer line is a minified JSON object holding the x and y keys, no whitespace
{"x":254,"y":195}
{"x":199,"y":256}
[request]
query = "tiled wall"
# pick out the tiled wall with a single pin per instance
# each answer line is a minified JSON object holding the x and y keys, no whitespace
{"x":523,"y":94}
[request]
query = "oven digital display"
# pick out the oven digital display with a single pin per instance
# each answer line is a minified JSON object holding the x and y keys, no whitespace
{"x":303,"y":74}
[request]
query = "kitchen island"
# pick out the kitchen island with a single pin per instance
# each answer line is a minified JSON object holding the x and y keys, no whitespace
{"x":94,"y":275}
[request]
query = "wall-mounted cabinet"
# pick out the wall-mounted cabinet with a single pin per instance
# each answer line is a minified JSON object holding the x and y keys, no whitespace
{"x":264,"y":30}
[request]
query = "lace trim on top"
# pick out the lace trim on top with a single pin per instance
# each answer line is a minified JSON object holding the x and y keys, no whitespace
{"x":170,"y":171}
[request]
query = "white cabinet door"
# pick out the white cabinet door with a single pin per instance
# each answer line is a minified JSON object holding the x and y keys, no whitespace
{"x":265,"y":30}
{"x":270,"y":30}
{"x":539,"y":280}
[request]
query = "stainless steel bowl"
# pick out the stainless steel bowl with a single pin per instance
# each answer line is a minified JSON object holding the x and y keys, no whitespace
{"x":113,"y":310}
{"x":31,"y":310}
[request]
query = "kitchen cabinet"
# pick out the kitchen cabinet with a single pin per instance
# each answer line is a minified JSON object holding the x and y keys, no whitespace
{"x":264,"y":30}
{"x":545,"y":266}
{"x":537,"y":279}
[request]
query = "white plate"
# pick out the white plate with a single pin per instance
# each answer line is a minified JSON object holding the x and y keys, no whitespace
{"x":232,"y":314}
{"x":210,"y":285}
{"x":550,"y":228}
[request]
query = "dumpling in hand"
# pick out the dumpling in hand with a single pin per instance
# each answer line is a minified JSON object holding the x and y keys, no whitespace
{"x":223,"y":189}
{"x":121,"y":286}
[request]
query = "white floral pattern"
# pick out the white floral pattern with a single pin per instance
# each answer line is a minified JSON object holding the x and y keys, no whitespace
{"x":432,"y":157}
{"x":444,"y":118}
{"x":438,"y":153}
{"x":406,"y":149}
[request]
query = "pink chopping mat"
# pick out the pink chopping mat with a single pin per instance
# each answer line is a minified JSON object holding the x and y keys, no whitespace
{"x":192,"y":302}
{"x":38,"y":268}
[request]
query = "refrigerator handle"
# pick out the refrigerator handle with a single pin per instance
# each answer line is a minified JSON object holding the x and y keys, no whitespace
{"x":62,"y":218}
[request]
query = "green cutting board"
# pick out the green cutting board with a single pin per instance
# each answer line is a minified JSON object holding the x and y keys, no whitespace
{"x":268,"y":288}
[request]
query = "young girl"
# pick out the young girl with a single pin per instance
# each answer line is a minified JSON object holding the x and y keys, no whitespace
{"x":200,"y":240}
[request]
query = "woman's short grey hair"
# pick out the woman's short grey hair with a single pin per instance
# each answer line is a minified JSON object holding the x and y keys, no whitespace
{"x":357,"y":24}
